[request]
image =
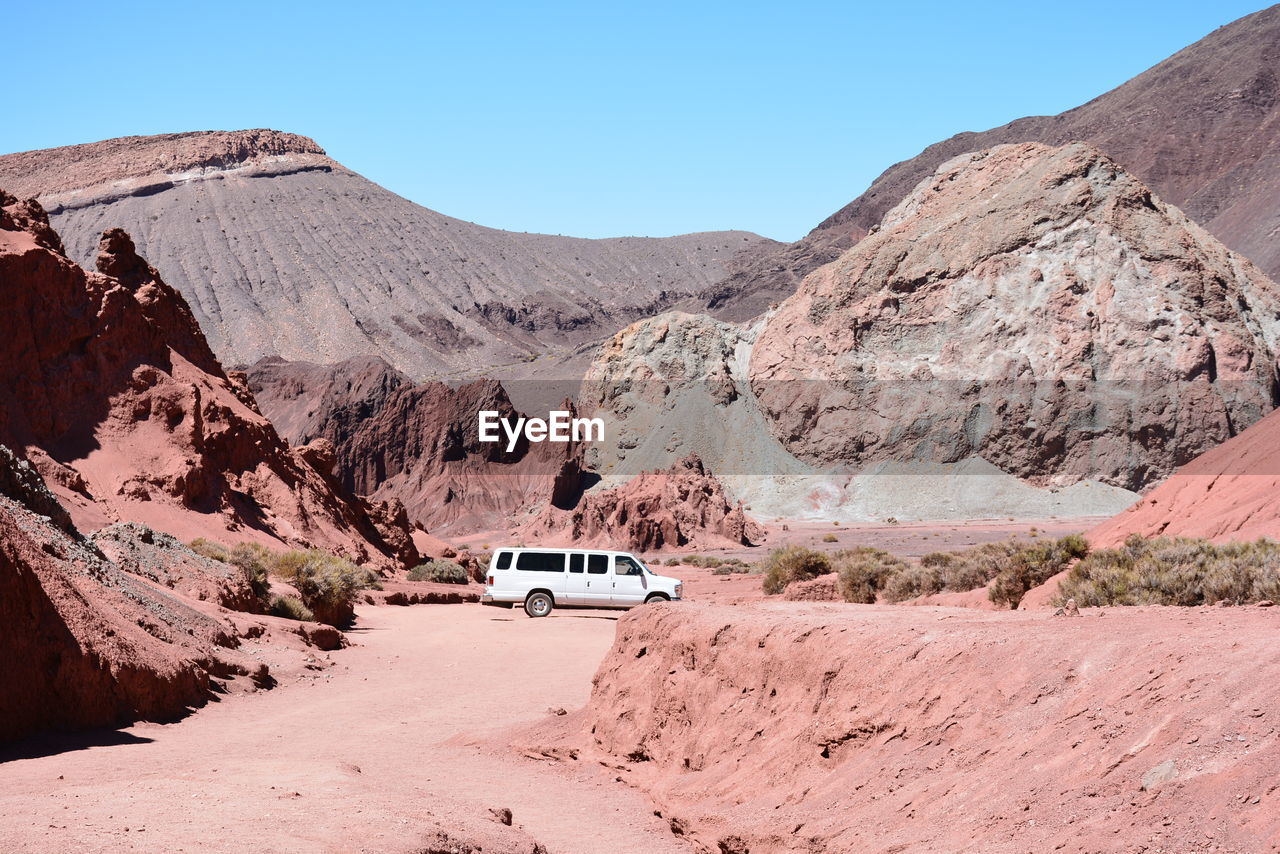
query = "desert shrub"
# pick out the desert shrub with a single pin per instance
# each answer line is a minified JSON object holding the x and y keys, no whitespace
{"x":912,"y":582}
{"x":864,"y":571}
{"x":790,"y":564}
{"x":731,"y":568}
{"x":672,"y":561}
{"x":830,"y":538}
{"x":289,"y":607}
{"x":1031,"y":566}
{"x":251,"y":559}
{"x":327,"y":584}
{"x":1165,"y":571}
{"x":705,"y":561}
{"x":440,"y":570}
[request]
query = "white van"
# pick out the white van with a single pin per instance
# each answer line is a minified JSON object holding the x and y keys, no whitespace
{"x":541,"y":579}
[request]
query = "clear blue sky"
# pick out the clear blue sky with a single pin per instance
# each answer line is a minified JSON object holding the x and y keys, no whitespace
{"x":591,"y":119}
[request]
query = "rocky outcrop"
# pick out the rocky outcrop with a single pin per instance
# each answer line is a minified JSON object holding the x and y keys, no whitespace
{"x":160,"y":558}
{"x":328,"y":264}
{"x":681,"y":507}
{"x":82,"y":643}
{"x":837,"y":728}
{"x":1229,"y":493}
{"x":1197,"y":128}
{"x":108,"y":387}
{"x":418,"y":444}
{"x":1037,"y":307}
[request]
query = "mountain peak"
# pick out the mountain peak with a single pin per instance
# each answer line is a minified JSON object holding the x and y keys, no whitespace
{"x":74,"y":167}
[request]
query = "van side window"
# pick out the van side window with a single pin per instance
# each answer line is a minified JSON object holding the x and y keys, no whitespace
{"x":504,"y":560}
{"x":626,"y":566}
{"x":540,"y":562}
{"x":597,"y":564}
{"x":575,"y":562}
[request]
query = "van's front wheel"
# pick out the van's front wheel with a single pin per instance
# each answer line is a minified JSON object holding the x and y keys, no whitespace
{"x":539,"y":604}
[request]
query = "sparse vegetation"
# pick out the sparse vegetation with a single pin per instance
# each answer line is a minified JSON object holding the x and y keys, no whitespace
{"x":250,"y":558}
{"x":671,"y":561}
{"x":439,"y":570}
{"x":732,"y":567}
{"x":864,"y":571}
{"x":289,"y":607}
{"x":1165,"y":571}
{"x":790,"y":564}
{"x":1032,"y":566}
{"x":327,"y":584}
{"x":830,"y":538}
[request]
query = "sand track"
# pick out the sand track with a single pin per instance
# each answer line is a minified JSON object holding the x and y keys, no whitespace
{"x":402,"y":735}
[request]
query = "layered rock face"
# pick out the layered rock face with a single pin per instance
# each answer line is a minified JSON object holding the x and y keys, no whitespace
{"x":1033,"y":306}
{"x":419,"y":443}
{"x":681,"y":507}
{"x":1231,"y":492}
{"x":82,"y":643}
{"x":679,"y":383}
{"x":282,"y":251}
{"x":1199,"y":129}
{"x":109,"y":387}
{"x":837,"y":728}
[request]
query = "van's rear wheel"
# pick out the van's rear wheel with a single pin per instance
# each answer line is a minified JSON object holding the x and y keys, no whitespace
{"x":539,"y":604}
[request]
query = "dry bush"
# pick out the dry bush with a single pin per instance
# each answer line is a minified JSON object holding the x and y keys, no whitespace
{"x":439,"y":570}
{"x":864,"y":572}
{"x":1032,"y":566}
{"x":327,"y":584}
{"x":290,"y":607}
{"x":251,"y":559}
{"x":1180,"y":571}
{"x":830,"y":538}
{"x":790,"y":564}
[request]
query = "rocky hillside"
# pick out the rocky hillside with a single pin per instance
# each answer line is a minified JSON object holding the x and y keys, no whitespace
{"x":1037,"y":307}
{"x":678,"y":384}
{"x":282,"y":251}
{"x":1231,"y":492}
{"x":108,"y":386}
{"x":417,"y":443}
{"x":837,"y":728}
{"x":1200,"y":129}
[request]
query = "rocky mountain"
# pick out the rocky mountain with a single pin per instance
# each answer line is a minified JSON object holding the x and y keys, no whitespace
{"x":1231,"y":492}
{"x":418,"y":443}
{"x":679,"y":384}
{"x":281,"y":251}
{"x":108,"y":386}
{"x":1202,"y":129}
{"x":1036,"y":307}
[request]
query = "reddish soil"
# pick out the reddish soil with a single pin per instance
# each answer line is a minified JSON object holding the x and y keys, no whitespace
{"x":1231,"y":492}
{"x":401,"y":738}
{"x":792,"y":727}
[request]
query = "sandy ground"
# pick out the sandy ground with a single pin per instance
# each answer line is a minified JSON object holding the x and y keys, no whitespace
{"x":403,"y":732}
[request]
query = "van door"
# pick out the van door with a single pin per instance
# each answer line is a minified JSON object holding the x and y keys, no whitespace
{"x":597,"y":588}
{"x":630,"y":584}
{"x":575,"y":588}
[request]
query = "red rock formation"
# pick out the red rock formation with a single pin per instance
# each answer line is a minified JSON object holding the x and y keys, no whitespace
{"x":839,"y":728}
{"x":418,"y":444}
{"x":107,"y":384}
{"x":1231,"y":492}
{"x":681,"y":507}
{"x":1033,"y":306}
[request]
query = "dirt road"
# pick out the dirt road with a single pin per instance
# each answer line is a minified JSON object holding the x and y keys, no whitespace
{"x":404,"y":733}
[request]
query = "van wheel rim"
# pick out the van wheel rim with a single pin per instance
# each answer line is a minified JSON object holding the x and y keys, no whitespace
{"x":541,"y":606}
